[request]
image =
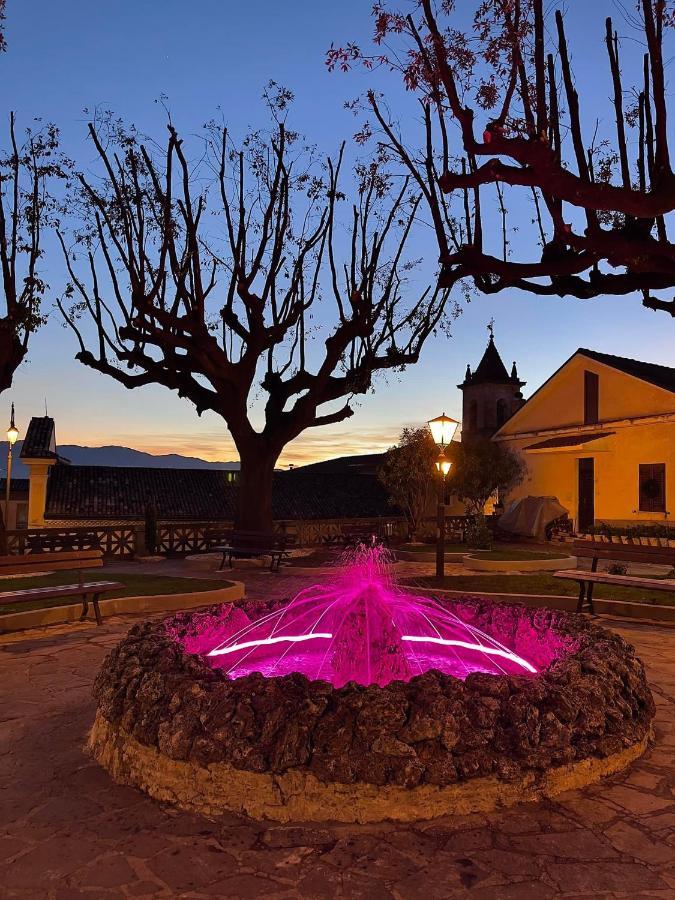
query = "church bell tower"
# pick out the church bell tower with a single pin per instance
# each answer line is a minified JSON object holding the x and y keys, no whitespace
{"x":490,"y":395}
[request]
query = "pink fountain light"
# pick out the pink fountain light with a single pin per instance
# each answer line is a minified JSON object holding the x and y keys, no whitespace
{"x":359,"y":626}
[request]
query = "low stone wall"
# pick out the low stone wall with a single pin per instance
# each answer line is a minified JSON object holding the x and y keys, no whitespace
{"x":162,"y":710}
{"x":298,"y":796}
{"x":481,"y":564}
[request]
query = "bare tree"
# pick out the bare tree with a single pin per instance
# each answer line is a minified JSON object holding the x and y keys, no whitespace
{"x":3,"y":42}
{"x":238,"y":274}
{"x":600,"y":200}
{"x":26,"y":207}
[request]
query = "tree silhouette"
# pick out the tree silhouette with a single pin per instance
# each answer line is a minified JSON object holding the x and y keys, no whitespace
{"x":26,"y":208}
{"x":600,"y":200}
{"x":408,"y":473}
{"x":245,"y":272}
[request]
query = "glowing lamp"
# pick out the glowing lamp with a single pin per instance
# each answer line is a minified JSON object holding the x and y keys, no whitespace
{"x":443,"y":429}
{"x":12,"y":431}
{"x":443,"y":465}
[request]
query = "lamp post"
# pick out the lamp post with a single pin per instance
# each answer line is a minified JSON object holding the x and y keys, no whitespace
{"x":443,"y":430}
{"x":12,"y":435}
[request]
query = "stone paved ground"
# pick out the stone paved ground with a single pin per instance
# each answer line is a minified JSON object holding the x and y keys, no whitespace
{"x":67,"y":831}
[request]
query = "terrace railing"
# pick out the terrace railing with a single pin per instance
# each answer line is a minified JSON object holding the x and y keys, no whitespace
{"x":117,"y":541}
{"x":184,"y":538}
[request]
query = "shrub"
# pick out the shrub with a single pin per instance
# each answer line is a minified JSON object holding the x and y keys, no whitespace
{"x":478,"y":535}
{"x":483,"y":469}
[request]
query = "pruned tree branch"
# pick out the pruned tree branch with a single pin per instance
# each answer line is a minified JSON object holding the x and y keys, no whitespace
{"x":507,"y":84}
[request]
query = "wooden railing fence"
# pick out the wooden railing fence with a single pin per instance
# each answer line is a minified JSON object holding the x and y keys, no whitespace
{"x":177,"y":539}
{"x":114,"y":541}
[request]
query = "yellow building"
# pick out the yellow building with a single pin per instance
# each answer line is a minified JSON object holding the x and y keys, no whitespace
{"x":600,"y":436}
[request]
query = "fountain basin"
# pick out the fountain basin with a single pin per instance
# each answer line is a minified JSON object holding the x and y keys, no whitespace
{"x":296,"y":748}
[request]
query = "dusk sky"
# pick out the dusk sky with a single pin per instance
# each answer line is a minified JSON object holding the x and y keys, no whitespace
{"x":123,"y":55}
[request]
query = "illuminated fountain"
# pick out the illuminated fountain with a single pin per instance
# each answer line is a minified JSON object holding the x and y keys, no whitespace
{"x":359,"y":627}
{"x":359,"y":701}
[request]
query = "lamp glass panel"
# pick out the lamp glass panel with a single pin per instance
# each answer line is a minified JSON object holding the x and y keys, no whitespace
{"x":443,"y":429}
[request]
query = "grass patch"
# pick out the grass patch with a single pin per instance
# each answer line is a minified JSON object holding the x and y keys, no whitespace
{"x":515,"y":555}
{"x":134,"y":586}
{"x":431,"y":548}
{"x":320,"y":557}
{"x":543,"y":583}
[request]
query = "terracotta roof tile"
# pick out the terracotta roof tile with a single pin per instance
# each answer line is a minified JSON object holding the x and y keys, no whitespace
{"x":661,"y":376}
{"x":569,"y":440}
{"x":104,"y":492}
{"x":39,"y":439}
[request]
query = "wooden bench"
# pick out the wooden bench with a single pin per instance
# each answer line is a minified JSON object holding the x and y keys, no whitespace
{"x":34,"y":563}
{"x":354,"y":535}
{"x":254,"y":544}
{"x":596,"y":551}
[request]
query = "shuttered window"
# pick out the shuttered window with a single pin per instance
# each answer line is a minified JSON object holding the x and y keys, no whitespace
{"x":653,"y":487}
{"x":591,"y":398}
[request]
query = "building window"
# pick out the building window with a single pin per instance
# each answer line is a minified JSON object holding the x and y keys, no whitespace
{"x":591,"y":398}
{"x":502,"y":412}
{"x":653,"y":487}
{"x":473,"y":416}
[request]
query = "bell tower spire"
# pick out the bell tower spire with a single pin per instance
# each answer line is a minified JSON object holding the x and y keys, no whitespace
{"x":490,"y":394}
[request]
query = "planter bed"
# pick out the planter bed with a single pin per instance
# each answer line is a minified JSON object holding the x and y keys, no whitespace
{"x":427,"y":552}
{"x":518,"y":561}
{"x":142,"y":593}
{"x":540,"y":583}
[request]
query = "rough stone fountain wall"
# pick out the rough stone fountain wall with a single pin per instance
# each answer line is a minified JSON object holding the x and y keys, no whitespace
{"x":587,"y":713}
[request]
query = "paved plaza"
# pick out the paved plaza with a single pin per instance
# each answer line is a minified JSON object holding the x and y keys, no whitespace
{"x":68,"y":831}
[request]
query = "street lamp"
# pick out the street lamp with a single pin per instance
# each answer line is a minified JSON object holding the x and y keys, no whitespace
{"x":443,"y":430}
{"x":443,"y":465}
{"x":12,"y":435}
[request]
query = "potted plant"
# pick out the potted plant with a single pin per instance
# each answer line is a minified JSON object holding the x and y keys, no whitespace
{"x":604,"y":533}
{"x":643,"y":539}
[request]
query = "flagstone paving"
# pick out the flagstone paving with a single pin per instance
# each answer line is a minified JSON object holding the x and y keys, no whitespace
{"x":67,"y":831}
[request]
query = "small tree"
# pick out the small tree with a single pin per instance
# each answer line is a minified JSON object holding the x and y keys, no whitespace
{"x":481,"y":468}
{"x":408,"y":475}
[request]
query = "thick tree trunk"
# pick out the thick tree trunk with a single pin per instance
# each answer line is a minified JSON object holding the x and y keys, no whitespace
{"x":254,"y":512}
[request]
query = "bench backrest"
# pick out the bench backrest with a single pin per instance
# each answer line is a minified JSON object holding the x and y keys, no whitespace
{"x":58,"y":559}
{"x":625,"y":552}
{"x":263,"y":540}
{"x":360,"y":530}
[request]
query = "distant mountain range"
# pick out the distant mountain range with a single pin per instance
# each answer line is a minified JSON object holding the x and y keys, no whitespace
{"x":113,"y":456}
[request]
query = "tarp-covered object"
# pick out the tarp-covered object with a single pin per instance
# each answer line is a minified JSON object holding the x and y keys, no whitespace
{"x":529,"y":516}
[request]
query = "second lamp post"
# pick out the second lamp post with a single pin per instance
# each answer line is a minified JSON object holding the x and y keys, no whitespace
{"x":443,"y":430}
